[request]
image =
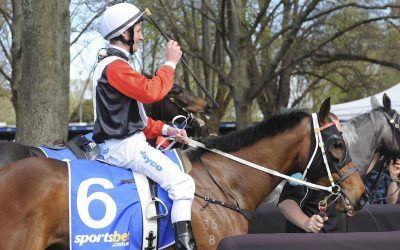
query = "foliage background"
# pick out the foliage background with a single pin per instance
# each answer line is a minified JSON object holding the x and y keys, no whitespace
{"x":256,"y":57}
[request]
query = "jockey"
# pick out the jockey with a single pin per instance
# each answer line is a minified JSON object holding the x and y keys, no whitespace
{"x":120,"y":119}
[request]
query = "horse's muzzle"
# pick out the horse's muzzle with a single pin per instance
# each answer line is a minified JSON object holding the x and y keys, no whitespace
{"x":361,"y":202}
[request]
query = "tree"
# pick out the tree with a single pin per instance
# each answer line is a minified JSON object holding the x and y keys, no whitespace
{"x":84,"y":13}
{"x":280,"y":53}
{"x":270,"y":46}
{"x":40,"y":37}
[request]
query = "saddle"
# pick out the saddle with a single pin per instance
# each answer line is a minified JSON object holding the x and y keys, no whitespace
{"x":81,"y":146}
{"x":86,"y":149}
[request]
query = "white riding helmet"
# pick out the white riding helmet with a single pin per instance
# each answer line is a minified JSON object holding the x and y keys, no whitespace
{"x":118,"y":18}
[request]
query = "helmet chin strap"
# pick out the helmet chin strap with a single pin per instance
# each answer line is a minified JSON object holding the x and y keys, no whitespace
{"x":130,"y":42}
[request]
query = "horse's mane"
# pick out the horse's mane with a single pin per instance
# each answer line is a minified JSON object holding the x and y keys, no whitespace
{"x":247,"y":136}
{"x":349,"y":134}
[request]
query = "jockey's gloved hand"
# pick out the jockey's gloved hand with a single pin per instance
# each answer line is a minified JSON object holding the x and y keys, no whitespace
{"x":179,"y":134}
{"x":173,"y":52}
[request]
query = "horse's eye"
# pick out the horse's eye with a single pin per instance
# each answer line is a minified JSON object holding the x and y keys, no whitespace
{"x":338,"y":145}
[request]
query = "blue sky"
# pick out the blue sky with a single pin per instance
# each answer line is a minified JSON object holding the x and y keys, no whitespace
{"x":83,"y":54}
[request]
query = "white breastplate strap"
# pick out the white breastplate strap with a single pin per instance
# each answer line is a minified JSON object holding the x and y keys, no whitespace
{"x":318,"y":137}
{"x":142,"y":185}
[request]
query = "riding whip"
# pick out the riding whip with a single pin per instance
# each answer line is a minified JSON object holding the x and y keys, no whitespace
{"x":198,"y":81}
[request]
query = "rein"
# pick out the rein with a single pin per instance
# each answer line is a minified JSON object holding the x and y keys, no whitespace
{"x":334,"y":189}
{"x":195,"y":144}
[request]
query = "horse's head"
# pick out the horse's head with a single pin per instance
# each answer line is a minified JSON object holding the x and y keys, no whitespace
{"x":390,"y":127}
{"x":335,"y":157}
{"x":184,"y":102}
{"x":373,"y":134}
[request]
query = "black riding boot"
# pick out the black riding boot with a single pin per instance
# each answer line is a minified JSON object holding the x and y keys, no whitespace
{"x":184,"y":238}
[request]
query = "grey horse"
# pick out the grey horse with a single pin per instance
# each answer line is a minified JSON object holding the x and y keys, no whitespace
{"x":372,"y":134}
{"x":367,"y":136}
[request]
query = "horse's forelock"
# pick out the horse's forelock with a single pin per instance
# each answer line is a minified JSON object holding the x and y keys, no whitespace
{"x":366,"y":123}
{"x":349,"y":134}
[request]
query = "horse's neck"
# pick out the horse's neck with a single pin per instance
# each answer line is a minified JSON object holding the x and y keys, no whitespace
{"x":362,"y":138}
{"x":155,"y":110}
{"x":248,"y":186}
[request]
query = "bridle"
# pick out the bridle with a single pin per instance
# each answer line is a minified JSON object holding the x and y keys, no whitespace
{"x":189,"y":115}
{"x":332,"y":129}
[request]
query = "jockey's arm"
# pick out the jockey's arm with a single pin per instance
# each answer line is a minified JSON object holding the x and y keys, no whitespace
{"x":156,"y":128}
{"x":393,"y":189}
{"x":136,"y":86}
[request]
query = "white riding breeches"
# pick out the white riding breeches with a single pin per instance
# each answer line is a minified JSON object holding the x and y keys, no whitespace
{"x":136,"y":154}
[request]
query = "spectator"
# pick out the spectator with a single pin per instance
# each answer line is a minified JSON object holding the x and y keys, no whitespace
{"x":300,"y":206}
{"x":382,"y":182}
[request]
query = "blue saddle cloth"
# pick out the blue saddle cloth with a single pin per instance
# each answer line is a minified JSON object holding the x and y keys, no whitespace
{"x":105,"y":213}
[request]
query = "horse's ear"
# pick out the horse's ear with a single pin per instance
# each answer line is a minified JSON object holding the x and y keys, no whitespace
{"x":386,"y":102}
{"x":175,"y":89}
{"x":325,"y":109}
{"x":374,"y":102}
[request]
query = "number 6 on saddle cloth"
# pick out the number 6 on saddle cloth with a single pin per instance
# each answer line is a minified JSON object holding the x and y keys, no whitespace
{"x":106,"y":204}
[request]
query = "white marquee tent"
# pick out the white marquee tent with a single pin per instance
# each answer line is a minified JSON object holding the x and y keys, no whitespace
{"x":346,"y":111}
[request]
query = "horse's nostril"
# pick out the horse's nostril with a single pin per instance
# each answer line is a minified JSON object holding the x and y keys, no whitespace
{"x":362,"y":201}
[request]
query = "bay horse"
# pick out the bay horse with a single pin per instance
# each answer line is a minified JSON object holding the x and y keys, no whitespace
{"x":178,"y":101}
{"x":34,"y":191}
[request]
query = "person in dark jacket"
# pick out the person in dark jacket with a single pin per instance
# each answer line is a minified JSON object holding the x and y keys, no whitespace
{"x":382,"y":182}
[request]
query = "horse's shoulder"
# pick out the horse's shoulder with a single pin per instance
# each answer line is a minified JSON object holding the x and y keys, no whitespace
{"x":191,"y":154}
{"x":42,"y":165}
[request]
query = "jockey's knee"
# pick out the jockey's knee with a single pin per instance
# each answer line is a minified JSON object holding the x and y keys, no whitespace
{"x":183,"y":189}
{"x":190,"y":185}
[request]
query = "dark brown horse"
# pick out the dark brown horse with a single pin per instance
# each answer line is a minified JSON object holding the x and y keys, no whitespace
{"x":179,"y":101}
{"x":34,"y":191}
